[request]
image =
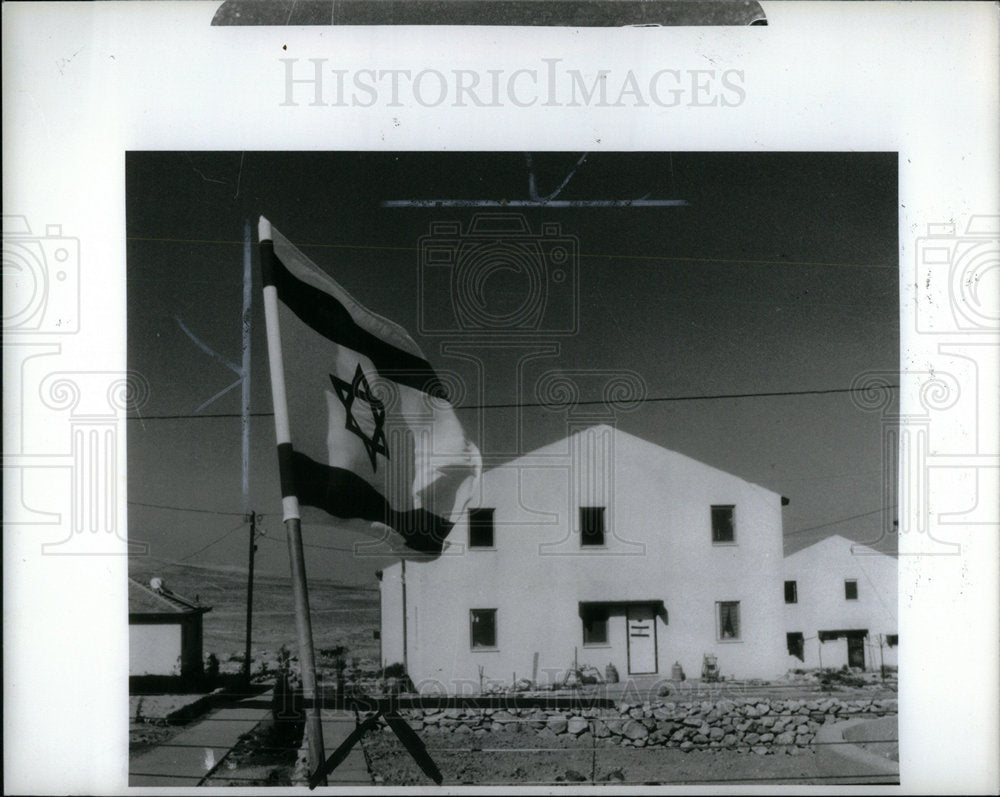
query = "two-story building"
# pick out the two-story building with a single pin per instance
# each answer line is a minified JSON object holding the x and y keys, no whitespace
{"x":601,"y":548}
{"x":840,"y":606}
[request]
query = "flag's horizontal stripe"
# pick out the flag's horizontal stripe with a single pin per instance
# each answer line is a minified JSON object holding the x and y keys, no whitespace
{"x":327,"y":316}
{"x":344,"y":494}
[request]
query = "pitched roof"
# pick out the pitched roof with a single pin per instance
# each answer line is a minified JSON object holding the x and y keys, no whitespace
{"x":145,"y":600}
{"x":837,"y":542}
{"x":627,"y":445}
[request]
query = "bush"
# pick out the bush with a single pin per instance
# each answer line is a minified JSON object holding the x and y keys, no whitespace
{"x":396,"y":670}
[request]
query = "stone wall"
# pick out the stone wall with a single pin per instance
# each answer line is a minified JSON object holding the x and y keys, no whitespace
{"x":762,"y":726}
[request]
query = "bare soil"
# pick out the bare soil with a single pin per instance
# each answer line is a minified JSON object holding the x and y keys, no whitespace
{"x":521,"y":759}
{"x":145,"y":734}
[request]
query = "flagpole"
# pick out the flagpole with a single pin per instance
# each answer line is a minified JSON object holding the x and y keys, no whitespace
{"x":293,"y":526}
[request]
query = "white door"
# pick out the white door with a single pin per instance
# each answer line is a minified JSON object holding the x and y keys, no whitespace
{"x":641,"y":640}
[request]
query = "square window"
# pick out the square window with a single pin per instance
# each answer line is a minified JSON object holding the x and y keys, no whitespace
{"x":851,"y":590}
{"x":791,"y":592}
{"x":796,"y":645}
{"x":892,"y":640}
{"x":481,"y":528}
{"x":729,"y":619}
{"x":595,"y":624}
{"x":483,"y":624}
{"x":591,"y":525}
{"x":723,"y":527}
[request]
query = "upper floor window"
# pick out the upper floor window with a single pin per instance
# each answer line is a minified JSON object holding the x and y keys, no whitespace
{"x":483,"y":628}
{"x":850,"y":590}
{"x":723,"y":525}
{"x":481,"y":528}
{"x":591,"y":525}
{"x":791,"y":592}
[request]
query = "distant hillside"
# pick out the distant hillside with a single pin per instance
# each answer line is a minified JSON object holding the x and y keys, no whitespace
{"x":341,"y":614}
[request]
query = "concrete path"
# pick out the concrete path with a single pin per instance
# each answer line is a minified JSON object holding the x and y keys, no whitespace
{"x":837,"y":757}
{"x":352,"y":771}
{"x":185,"y":759}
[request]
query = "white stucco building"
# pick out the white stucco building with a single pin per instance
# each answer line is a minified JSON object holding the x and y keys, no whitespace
{"x":841,"y":606}
{"x":600,"y":547}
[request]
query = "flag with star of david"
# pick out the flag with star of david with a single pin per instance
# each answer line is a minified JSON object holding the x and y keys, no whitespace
{"x":367,"y":433}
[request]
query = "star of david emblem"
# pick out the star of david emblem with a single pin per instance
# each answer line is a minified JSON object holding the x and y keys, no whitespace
{"x":360,"y":390}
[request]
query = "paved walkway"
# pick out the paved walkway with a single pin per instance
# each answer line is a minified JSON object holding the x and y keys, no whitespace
{"x":190,"y":755}
{"x":353,"y":770}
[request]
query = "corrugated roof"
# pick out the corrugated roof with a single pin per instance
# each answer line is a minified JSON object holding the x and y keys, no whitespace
{"x":145,"y":600}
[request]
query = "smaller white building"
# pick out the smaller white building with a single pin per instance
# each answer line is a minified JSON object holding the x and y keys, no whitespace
{"x":165,"y":631}
{"x":841,"y":606}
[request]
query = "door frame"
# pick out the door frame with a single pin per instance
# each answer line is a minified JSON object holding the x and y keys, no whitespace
{"x":628,"y":638}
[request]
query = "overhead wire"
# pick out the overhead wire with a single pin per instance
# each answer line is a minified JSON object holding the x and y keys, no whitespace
{"x":556,"y":404}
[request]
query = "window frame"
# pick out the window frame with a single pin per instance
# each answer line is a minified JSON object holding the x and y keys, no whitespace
{"x":472,"y":630}
{"x":599,"y":609}
{"x":584,"y":543}
{"x":492,"y":528}
{"x":795,"y":591}
{"x":738,"y":636}
{"x":848,"y":582}
{"x":732,"y":523}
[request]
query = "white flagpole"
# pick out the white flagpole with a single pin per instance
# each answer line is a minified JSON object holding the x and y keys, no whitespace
{"x":293,"y":528}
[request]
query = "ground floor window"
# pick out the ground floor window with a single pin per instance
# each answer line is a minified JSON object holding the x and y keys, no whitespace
{"x":595,"y":624}
{"x":483,"y":624}
{"x":796,"y":645}
{"x":729,"y":619}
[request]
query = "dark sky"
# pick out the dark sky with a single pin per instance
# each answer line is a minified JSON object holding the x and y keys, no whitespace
{"x":779,"y":275}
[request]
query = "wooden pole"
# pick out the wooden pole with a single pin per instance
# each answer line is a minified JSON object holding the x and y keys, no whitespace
{"x":307,"y":658}
{"x":402,"y":579}
{"x":253,"y":549}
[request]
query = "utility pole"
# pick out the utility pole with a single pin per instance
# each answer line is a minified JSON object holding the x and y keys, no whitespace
{"x":402,"y":579}
{"x":252,"y":518}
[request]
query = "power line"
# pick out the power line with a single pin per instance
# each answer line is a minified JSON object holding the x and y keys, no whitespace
{"x":654,"y":399}
{"x":350,"y":550}
{"x":559,"y":405}
{"x":213,"y":542}
{"x":313,"y":545}
{"x":588,"y":255}
{"x":181,"y":417}
{"x":842,"y":520}
{"x":187,"y":509}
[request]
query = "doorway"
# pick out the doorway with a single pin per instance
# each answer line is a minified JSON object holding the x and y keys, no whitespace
{"x":642,"y":657}
{"x":856,"y":651}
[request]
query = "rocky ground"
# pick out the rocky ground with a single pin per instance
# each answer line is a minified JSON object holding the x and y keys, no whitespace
{"x":508,"y":761}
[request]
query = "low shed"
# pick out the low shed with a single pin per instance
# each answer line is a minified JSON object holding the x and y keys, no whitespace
{"x":165,"y":631}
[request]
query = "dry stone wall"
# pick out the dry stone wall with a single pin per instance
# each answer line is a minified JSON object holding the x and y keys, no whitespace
{"x":762,"y":726}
